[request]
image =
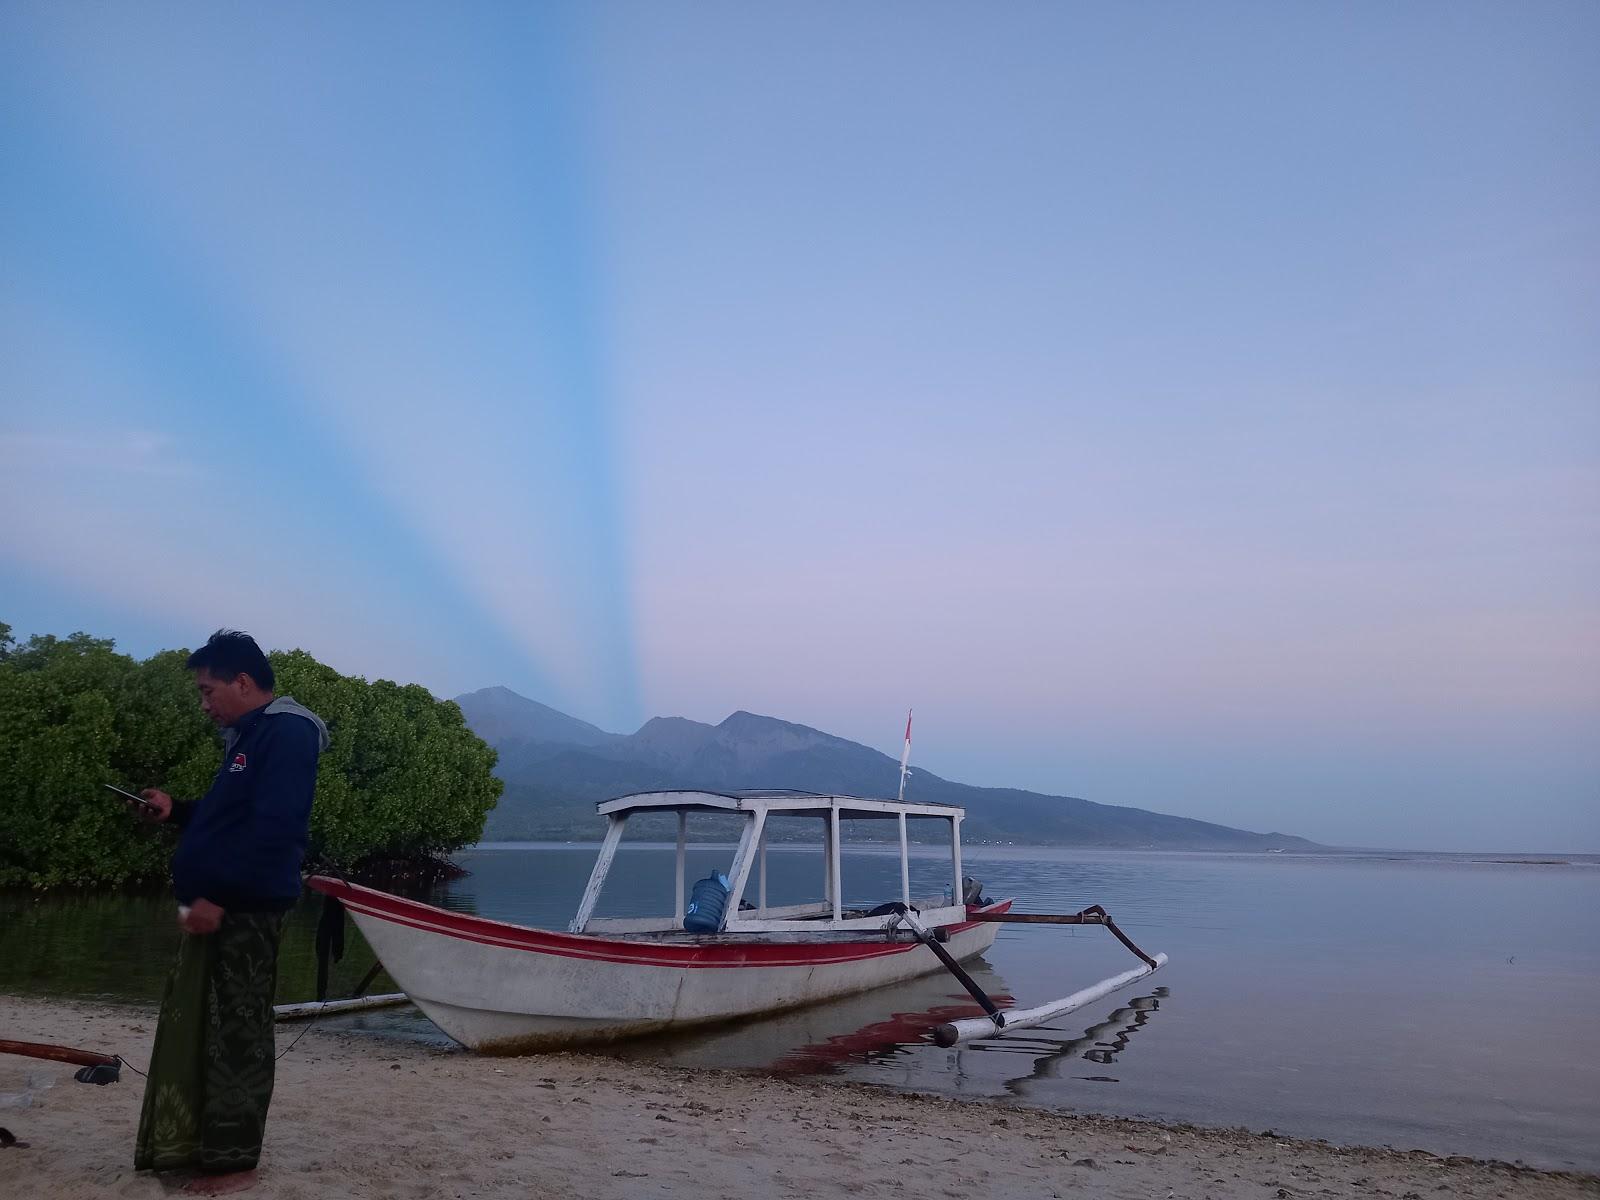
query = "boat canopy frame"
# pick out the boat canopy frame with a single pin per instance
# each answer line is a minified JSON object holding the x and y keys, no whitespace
{"x":750,"y":858}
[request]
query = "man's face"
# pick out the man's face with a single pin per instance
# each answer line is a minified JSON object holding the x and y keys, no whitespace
{"x":225,"y":700}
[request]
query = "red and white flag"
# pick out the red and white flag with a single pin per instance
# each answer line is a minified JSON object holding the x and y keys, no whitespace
{"x":905,"y":756}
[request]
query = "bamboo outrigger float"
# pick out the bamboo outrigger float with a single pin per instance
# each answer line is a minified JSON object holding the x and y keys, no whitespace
{"x":311,"y":1009}
{"x":502,"y":988}
{"x":998,"y":1022}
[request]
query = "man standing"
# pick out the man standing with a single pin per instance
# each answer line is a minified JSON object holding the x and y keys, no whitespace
{"x":236,"y":874}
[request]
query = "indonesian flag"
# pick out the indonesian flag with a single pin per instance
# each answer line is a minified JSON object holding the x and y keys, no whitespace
{"x":905,"y":755}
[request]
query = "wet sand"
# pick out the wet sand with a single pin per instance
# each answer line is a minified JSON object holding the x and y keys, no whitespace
{"x":361,"y":1118}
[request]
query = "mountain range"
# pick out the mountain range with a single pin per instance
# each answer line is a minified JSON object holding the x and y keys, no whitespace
{"x":556,"y":767}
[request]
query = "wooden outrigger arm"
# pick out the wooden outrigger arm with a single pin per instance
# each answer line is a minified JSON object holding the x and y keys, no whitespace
{"x":1093,"y":915}
{"x":997,"y":1022}
{"x":927,"y":937}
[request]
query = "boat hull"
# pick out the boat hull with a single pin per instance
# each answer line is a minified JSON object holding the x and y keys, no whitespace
{"x":499,"y":988}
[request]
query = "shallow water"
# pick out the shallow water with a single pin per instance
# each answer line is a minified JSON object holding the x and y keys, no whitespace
{"x":1415,"y":1001}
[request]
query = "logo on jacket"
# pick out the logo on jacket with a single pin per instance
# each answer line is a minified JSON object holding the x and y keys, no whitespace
{"x":237,"y":764}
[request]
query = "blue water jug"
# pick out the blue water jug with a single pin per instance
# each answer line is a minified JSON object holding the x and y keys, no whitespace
{"x":706,"y":902}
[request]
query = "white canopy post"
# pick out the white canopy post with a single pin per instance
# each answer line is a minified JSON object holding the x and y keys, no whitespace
{"x":834,"y":873}
{"x":828,"y":831}
{"x":955,"y":855}
{"x":683,"y":839}
{"x":743,"y":858}
{"x":761,"y":895}
{"x":905,"y":865}
{"x":597,"y":877}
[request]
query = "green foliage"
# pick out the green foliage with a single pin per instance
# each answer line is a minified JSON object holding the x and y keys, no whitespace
{"x":74,"y":714}
{"x":403,"y":779}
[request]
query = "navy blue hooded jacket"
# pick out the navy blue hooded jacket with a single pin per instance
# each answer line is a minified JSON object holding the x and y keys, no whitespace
{"x":242,"y":843}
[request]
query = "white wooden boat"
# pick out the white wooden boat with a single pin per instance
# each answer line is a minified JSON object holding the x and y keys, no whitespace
{"x":508,"y":989}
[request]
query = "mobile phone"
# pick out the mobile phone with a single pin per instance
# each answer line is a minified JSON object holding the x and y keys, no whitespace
{"x":126,"y":795}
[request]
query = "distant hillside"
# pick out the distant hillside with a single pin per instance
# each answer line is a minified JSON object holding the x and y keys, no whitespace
{"x":556,"y":768}
{"x":501,"y":717}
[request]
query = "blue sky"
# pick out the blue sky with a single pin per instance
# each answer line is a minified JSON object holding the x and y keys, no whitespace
{"x":1188,"y":407}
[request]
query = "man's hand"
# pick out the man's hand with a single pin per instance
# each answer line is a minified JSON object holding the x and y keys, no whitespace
{"x":162,"y":805}
{"x":200,"y":917}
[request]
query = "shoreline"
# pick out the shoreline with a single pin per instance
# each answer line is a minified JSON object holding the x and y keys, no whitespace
{"x":553,"y":1125}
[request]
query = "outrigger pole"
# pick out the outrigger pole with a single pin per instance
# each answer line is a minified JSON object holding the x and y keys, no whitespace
{"x":97,"y":1068}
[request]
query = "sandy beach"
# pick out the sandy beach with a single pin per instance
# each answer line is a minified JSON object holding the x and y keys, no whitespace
{"x":360,"y":1118}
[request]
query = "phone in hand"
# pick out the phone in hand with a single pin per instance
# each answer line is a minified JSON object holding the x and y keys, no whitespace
{"x":127,"y":795}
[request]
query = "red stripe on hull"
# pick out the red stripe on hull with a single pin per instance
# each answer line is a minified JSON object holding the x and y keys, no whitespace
{"x":416,"y":915}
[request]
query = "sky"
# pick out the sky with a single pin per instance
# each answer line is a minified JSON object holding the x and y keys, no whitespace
{"x":1188,"y":407}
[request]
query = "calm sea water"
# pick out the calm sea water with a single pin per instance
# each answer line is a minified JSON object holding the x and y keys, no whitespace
{"x":1413,"y":1001}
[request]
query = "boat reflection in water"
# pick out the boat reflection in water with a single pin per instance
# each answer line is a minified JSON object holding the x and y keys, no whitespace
{"x":889,"y":1031}
{"x":825,"y":1038}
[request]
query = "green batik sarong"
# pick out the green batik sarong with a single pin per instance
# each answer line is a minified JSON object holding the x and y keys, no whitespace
{"x":205,"y":1102}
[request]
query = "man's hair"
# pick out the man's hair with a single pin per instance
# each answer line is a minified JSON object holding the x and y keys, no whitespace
{"x":229,"y":653}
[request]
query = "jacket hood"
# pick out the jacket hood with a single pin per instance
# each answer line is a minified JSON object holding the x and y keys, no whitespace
{"x":288,"y":704}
